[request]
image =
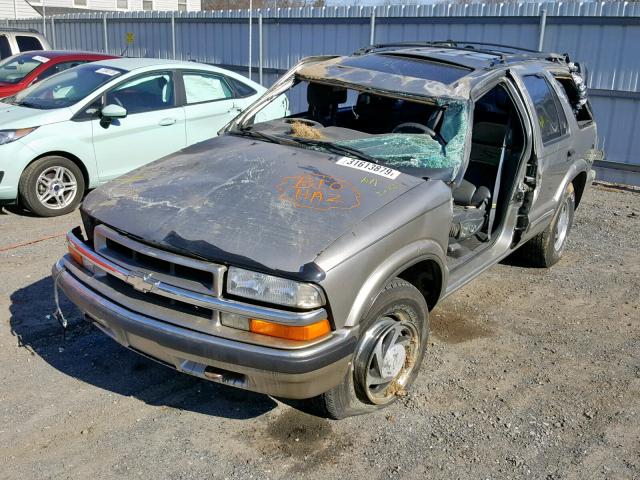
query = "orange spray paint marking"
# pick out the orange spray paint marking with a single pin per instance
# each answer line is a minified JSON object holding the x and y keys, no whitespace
{"x":318,"y":192}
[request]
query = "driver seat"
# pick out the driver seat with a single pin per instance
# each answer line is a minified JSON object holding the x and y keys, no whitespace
{"x":469,"y":209}
{"x":472,"y":198}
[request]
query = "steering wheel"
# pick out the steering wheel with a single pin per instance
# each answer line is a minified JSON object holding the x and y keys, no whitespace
{"x":411,"y":127}
{"x":306,"y":121}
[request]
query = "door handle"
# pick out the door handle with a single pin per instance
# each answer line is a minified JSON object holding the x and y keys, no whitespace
{"x":165,"y":122}
{"x":570,"y":153}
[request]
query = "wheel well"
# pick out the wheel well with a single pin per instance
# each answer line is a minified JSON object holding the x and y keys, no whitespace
{"x":73,"y":158}
{"x":579,"y":182}
{"x":426,"y":276}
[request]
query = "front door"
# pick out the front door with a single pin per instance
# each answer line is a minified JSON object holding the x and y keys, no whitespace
{"x":153,"y":128}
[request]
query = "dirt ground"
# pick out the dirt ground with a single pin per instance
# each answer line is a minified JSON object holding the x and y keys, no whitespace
{"x":530,"y":373}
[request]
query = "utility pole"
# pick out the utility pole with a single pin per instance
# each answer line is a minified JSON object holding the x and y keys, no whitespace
{"x":250,"y":34}
{"x":44,"y":19}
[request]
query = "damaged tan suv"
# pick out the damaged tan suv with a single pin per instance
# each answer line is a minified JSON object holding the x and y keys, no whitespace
{"x":300,"y":257}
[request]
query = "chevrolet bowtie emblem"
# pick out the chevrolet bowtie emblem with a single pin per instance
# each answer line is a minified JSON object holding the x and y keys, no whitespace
{"x":141,"y":282}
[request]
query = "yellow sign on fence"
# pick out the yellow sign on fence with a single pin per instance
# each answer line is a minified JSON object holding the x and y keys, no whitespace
{"x":130,"y":38}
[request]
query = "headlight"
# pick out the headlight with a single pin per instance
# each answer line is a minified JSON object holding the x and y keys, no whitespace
{"x":8,"y":136}
{"x":270,"y":289}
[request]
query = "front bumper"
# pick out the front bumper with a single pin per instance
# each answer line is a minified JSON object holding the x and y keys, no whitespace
{"x":300,"y":373}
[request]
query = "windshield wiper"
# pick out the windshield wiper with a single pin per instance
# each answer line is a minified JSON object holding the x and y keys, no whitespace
{"x":27,"y":105}
{"x":339,"y":149}
{"x":248,"y":132}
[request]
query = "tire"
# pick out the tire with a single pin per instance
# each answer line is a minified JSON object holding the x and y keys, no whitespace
{"x":51,"y":186}
{"x":399,"y":308}
{"x":546,"y":248}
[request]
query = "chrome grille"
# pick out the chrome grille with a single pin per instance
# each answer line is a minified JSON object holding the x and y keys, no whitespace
{"x":154,"y":264}
{"x":119,"y":270}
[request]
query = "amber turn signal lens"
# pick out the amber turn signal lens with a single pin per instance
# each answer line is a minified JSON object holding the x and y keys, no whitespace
{"x":291,"y":332}
{"x":74,"y":254}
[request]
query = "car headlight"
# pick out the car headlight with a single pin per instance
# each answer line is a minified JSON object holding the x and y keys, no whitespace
{"x":270,"y":289}
{"x":8,"y":136}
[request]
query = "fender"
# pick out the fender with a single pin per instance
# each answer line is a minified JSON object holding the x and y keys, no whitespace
{"x":398,"y":262}
{"x":78,"y":147}
{"x":576,"y":168}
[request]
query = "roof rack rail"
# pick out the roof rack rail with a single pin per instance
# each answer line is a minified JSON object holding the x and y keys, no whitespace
{"x":18,"y":29}
{"x":459,"y":44}
{"x":496,"y":49}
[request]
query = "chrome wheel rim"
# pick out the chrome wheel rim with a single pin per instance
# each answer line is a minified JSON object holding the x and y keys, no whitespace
{"x":386,"y":358}
{"x":562,"y":226}
{"x":56,"y":187}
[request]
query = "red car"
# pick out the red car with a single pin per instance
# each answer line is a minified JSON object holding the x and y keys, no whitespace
{"x":24,"y":69}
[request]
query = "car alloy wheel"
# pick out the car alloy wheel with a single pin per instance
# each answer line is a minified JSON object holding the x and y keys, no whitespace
{"x":56,"y":187}
{"x":386,"y":358}
{"x":562,"y":227}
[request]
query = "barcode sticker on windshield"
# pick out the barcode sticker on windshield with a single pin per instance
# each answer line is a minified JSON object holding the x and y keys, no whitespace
{"x":369,"y":167}
{"x":40,"y":59}
{"x":107,"y":71}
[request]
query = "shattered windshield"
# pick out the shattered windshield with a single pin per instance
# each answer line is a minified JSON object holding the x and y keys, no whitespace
{"x":422,"y":138}
{"x":420,"y":151}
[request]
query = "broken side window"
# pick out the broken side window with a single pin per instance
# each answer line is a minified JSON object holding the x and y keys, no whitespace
{"x":576,"y":93}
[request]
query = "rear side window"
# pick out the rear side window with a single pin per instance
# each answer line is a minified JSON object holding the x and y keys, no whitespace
{"x":241,"y":89}
{"x":5,"y":48}
{"x":205,"y":87}
{"x":551,"y":119}
{"x":26,"y":44}
{"x":577,"y":100}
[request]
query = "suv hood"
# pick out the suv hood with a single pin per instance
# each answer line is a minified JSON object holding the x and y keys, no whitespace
{"x":249,"y":203}
{"x":15,"y":116}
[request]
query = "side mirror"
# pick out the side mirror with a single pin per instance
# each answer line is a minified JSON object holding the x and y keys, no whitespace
{"x":113,"y":111}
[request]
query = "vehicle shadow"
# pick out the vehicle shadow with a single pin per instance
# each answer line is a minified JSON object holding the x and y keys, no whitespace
{"x":88,"y":355}
{"x":16,"y":210}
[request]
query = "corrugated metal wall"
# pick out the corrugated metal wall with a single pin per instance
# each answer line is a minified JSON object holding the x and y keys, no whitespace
{"x":603,"y":36}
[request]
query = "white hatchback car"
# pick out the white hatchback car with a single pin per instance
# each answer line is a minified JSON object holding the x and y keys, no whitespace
{"x":92,"y":123}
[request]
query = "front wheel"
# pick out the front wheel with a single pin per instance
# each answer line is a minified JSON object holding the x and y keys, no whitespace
{"x":51,"y":186}
{"x":387,"y":358}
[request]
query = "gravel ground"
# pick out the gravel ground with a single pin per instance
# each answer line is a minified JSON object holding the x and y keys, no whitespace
{"x":530,"y":373}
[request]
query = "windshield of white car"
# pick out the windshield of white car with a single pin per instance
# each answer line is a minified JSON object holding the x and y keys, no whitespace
{"x":66,"y":88}
{"x":403,"y":134}
{"x":14,"y":69}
